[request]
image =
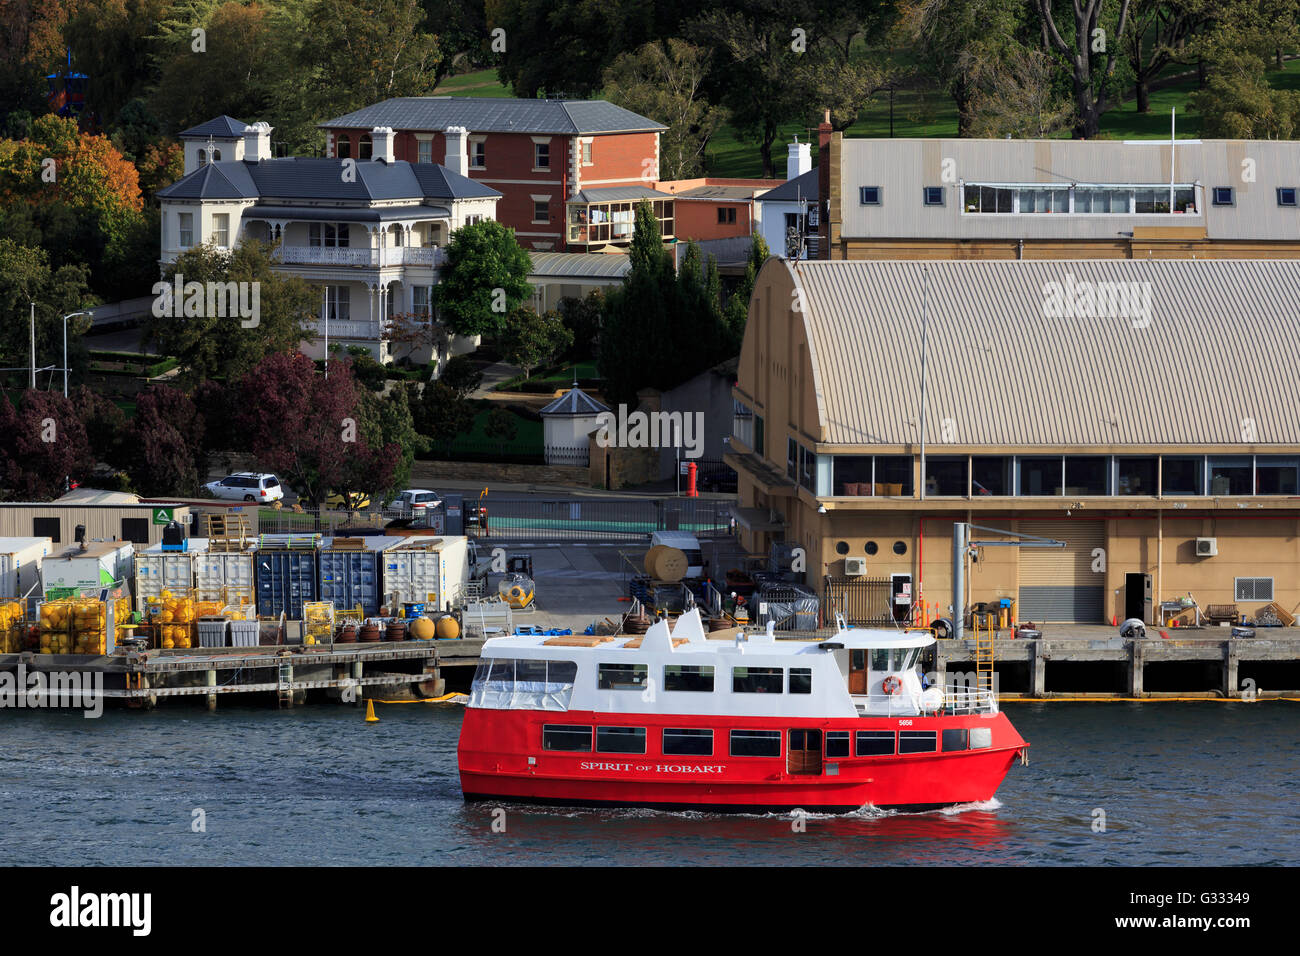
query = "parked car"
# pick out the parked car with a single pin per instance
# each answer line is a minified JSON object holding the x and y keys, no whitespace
{"x":246,"y":486}
{"x":414,"y":501}
{"x":356,"y":501}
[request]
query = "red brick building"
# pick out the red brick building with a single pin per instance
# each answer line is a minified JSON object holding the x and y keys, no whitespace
{"x":539,"y":154}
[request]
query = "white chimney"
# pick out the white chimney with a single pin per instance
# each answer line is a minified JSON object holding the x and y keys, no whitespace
{"x":257,"y":143}
{"x":457,"y":158}
{"x":381,"y":139}
{"x":798,"y":161}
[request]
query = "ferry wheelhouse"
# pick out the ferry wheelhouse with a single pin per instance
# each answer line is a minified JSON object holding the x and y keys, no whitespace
{"x":675,"y":720}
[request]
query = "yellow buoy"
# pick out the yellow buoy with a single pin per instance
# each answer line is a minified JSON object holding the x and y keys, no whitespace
{"x":370,"y":712}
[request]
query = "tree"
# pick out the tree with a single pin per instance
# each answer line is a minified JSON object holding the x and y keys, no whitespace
{"x":1157,"y":35}
{"x":45,"y":444}
{"x":501,"y":425}
{"x":1238,"y":103}
{"x":584,"y":318}
{"x":364,"y":53}
{"x":106,"y":426}
{"x":485,"y":278}
{"x":1020,"y":98}
{"x":387,"y":422}
{"x":442,"y":413}
{"x":1091,"y":50}
{"x":310,"y":429}
{"x":737,"y":311}
{"x":168,"y":437}
{"x":212,"y":346}
{"x":530,"y":340}
{"x":461,"y":375}
{"x":663,"y":80}
{"x":960,"y":44}
{"x":25,"y":277}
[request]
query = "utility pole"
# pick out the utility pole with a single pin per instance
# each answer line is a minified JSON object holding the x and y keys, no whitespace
{"x":32,"y":382}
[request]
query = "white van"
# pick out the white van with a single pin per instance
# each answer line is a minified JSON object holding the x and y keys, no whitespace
{"x":687,"y":544}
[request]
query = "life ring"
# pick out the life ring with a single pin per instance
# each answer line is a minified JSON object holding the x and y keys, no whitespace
{"x":891,"y":685}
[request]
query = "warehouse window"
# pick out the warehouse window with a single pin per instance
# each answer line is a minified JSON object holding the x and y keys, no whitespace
{"x":894,"y":475}
{"x":851,"y":475}
{"x":933,"y":195}
{"x":1231,"y":475}
{"x":945,"y":477}
{"x":1086,"y":475}
{"x":1040,"y":476}
{"x":1277,"y":475}
{"x":869,"y":195}
{"x":726,"y":215}
{"x":1135,"y":476}
{"x":1286,"y":196}
{"x":1252,"y":589}
{"x":991,"y":475}
{"x":1183,"y":475}
{"x":791,"y":459}
{"x":135,"y":530}
{"x":1223,"y":196}
{"x":46,"y":528}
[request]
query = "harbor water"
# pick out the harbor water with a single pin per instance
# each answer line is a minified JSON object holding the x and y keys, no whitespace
{"x":1171,"y":783}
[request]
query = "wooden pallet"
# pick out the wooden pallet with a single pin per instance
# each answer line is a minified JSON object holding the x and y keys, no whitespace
{"x":578,"y":640}
{"x":225,"y":532}
{"x":636,"y":642}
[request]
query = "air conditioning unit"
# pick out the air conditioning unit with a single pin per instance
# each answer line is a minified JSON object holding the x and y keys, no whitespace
{"x":1207,"y":547}
{"x":855,"y":567}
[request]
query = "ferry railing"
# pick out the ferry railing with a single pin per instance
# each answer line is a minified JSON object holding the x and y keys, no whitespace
{"x":955,"y":702}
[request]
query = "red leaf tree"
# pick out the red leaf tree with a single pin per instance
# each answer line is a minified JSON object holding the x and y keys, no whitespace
{"x":308,"y":429}
{"x":45,"y":444}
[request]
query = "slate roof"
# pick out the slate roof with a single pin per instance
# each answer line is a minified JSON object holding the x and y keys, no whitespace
{"x":223,"y":127}
{"x":306,"y":177}
{"x":792,"y":190}
{"x":619,"y":194}
{"x":492,"y":115}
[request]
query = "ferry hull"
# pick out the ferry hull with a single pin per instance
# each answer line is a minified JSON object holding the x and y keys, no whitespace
{"x":496,"y":748}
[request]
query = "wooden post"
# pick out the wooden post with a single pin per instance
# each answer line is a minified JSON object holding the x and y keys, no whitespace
{"x":361,"y":691}
{"x":1038,"y":668}
{"x":1230,"y":660}
{"x":212,"y":682}
{"x":1136,"y":661}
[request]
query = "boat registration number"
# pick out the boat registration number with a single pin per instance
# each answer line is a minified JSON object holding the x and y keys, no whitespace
{"x":905,"y":723}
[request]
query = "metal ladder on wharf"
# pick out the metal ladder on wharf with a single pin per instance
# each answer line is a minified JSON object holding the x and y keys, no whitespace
{"x":225,"y":532}
{"x":984,"y":631}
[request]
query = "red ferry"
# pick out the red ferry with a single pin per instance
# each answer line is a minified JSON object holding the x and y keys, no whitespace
{"x":674,"y":720}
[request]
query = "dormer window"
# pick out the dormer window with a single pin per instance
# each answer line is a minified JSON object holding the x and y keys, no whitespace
{"x":216,"y":155}
{"x":203,"y":157}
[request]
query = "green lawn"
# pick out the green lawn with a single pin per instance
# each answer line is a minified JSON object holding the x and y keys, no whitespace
{"x":560,"y":376}
{"x":479,"y":83}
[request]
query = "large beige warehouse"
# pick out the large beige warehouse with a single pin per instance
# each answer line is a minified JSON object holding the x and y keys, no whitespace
{"x":1145,"y":412}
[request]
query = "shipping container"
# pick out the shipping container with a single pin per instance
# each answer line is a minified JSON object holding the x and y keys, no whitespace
{"x":285,"y":579}
{"x":77,"y":569}
{"x":426,"y":570}
{"x":226,"y":576}
{"x":20,"y":565}
{"x":351,"y":577}
{"x":157,"y":570}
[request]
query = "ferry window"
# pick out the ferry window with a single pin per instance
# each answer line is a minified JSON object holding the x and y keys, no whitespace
{"x":688,"y":677}
{"x":756,"y":743}
{"x":620,"y":740}
{"x":801,"y":680}
{"x":837,"y":743}
{"x":917,"y":741}
{"x":687,"y":743}
{"x":622,"y":676}
{"x":561,"y":672}
{"x":875,"y":743}
{"x":880,"y":659}
{"x":757,"y":680}
{"x":955,"y":740}
{"x":530,"y":671}
{"x":567,"y":737}
{"x":503,"y":671}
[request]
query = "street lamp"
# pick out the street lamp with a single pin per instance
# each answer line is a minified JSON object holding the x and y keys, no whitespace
{"x":65,"y":346}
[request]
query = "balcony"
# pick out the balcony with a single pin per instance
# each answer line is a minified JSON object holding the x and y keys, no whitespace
{"x":368,"y":258}
{"x":346,"y":329}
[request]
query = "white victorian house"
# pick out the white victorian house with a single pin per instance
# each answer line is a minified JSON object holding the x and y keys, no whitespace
{"x":369,"y":234}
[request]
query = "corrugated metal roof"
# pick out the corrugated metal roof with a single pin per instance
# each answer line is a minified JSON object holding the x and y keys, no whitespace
{"x":1215,"y":363}
{"x":579,"y":264}
{"x":222,"y":127}
{"x":575,"y":402}
{"x":902,"y":167}
{"x":308,"y":177}
{"x":710,"y":191}
{"x":492,"y":115}
{"x":618,"y":194}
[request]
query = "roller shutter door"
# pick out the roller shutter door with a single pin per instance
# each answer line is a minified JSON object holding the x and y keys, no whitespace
{"x":1059,"y":584}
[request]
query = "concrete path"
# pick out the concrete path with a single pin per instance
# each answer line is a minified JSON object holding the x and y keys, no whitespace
{"x":494,"y":375}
